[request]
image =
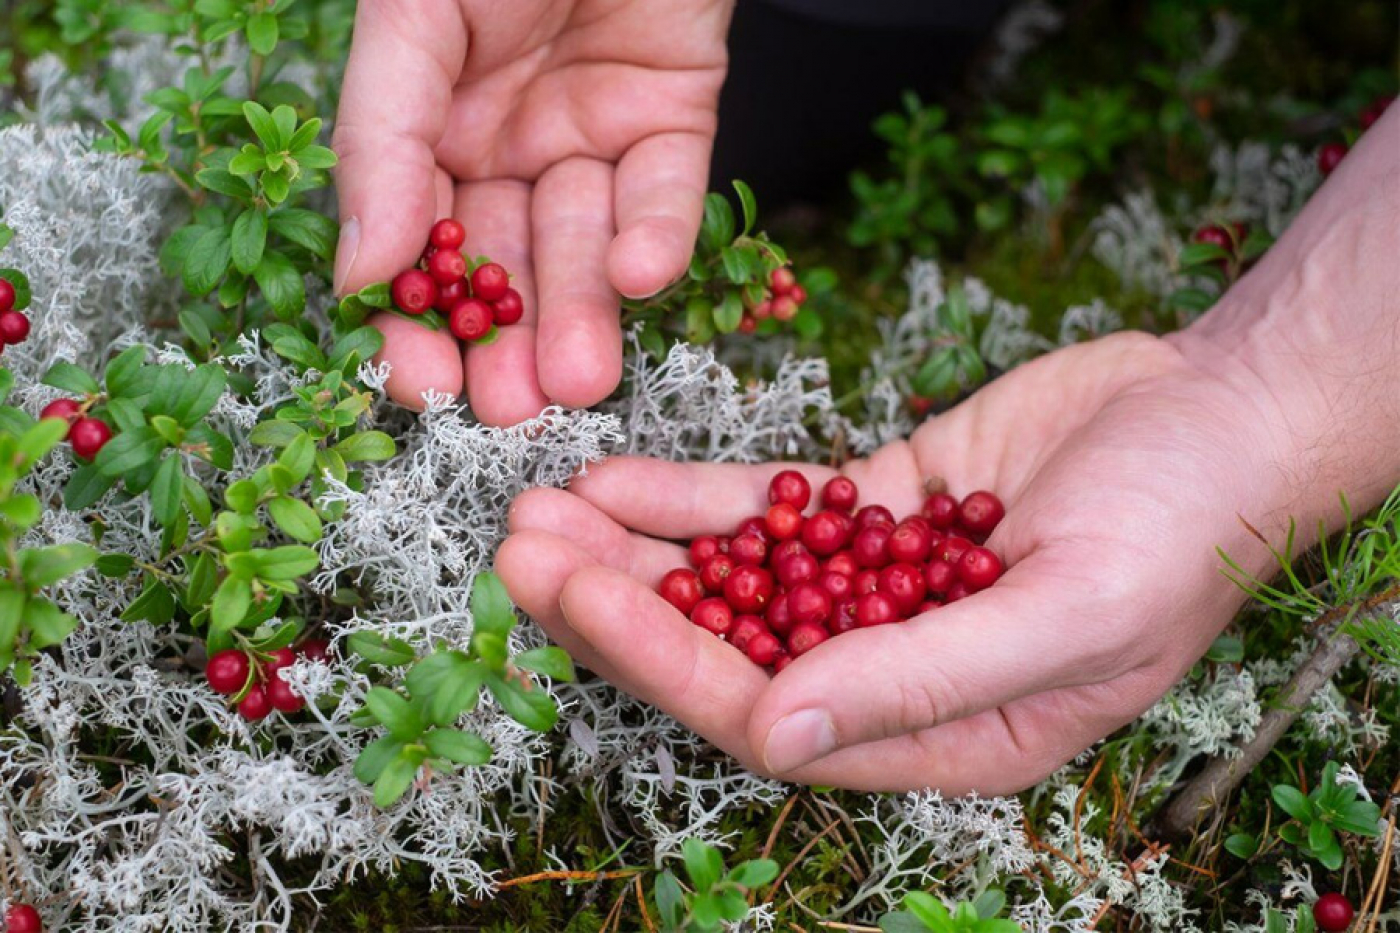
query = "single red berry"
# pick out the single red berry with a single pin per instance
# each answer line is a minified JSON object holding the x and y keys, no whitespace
{"x":762,"y":311}
{"x":7,"y":295}
{"x":783,"y":521}
{"x":905,"y":583}
{"x":809,"y":603}
{"x":873,"y":515}
{"x":227,"y":671}
{"x":1215,"y":235}
{"x":825,"y":533}
{"x":787,"y":549}
{"x":839,"y":494}
{"x":837,"y":585}
{"x":749,"y":549}
{"x":939,"y":575}
{"x":447,"y":266}
{"x":781,"y":662}
{"x":715,"y":571}
{"x":414,"y":291}
{"x":277,"y":659}
{"x":748,"y":589}
{"x":21,"y":918}
{"x":778,"y":617}
{"x":877,"y":608}
{"x":871,"y":546}
{"x":490,"y":281}
{"x":763,"y":649}
{"x":865,"y":581}
{"x":14,"y":327}
{"x":713,"y":615}
{"x":451,"y":293}
{"x":804,"y":637}
{"x":784,"y":308}
{"x":980,"y":512}
{"x":255,"y":705}
{"x":911,"y":542}
{"x":956,"y":592}
{"x":842,"y":562}
{"x":782,"y":280}
{"x":681,"y":588}
{"x":744,"y":629}
{"x":509,"y":308}
{"x":843,"y":617}
{"x":702,"y":549}
{"x":447,"y":234}
{"x":1330,"y":156}
{"x":952,"y":549}
{"x":1373,"y":112}
{"x":64,"y":408}
{"x":88,"y":436}
{"x":791,"y":487}
{"x":941,"y":510}
{"x":756,"y":525}
{"x":315,"y":649}
{"x":1333,"y":912}
{"x":796,"y":570}
{"x":470,"y":319}
{"x":798,"y":294}
{"x":281,"y":695}
{"x":979,"y":568}
{"x":748,"y":324}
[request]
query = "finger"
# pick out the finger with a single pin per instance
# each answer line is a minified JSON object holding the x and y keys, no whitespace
{"x":1022,"y":637}
{"x":580,"y":334}
{"x":404,"y":61}
{"x":502,"y":380}
{"x":681,"y":500}
{"x":662,"y":659}
{"x":659,"y":199}
{"x":566,"y":515}
{"x":420,"y":361}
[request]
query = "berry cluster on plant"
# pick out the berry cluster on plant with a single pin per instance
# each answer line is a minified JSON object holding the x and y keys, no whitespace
{"x":252,"y":681}
{"x":1330,"y":154}
{"x":785,"y":582}
{"x":476,"y":295}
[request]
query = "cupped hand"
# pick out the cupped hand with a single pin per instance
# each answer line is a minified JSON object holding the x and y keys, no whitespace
{"x":1123,"y":467}
{"x":571,"y":137}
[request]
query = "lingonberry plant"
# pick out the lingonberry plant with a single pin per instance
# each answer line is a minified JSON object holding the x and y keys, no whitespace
{"x":1317,"y":817}
{"x":715,"y":896}
{"x":924,"y":913}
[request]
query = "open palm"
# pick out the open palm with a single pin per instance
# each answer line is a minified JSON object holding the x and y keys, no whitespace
{"x":572,"y":144}
{"x":1107,"y":455}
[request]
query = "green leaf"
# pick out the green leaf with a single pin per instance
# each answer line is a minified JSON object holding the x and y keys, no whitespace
{"x":728,"y":313}
{"x":1360,"y":817}
{"x":670,"y":901}
{"x":749,"y":204}
{"x":12,"y":603}
{"x":457,"y":746}
{"x":754,"y":873}
{"x":199,"y":391}
{"x":274,"y":433}
{"x":1191,"y":299}
{"x":1199,"y":254}
{"x":71,"y":378}
{"x":354,"y":348}
{"x":989,"y":904}
{"x":285,"y":563}
{"x":316,"y":157}
{"x":207,"y":261}
{"x":203,"y":581}
{"x":702,"y":863}
{"x":263,"y":125}
{"x":376,"y":757}
{"x":1320,"y":837}
{"x":380,"y":649}
{"x":717,"y":227}
{"x":222,"y":181}
{"x":450,"y":682}
{"x":262,"y":33}
{"x":491,"y":607}
{"x":929,"y":909}
{"x":129,"y":451}
{"x":286,"y":120}
{"x":367,"y":446}
{"x":122,"y":373}
{"x":249,"y":240}
{"x":394,"y":713}
{"x":550,"y":661}
{"x":902,"y":921}
{"x":20,"y":281}
{"x":281,"y":284}
{"x":533,"y":709}
{"x":21,"y":511}
{"x":243,"y":496}
{"x":43,"y":567}
{"x":1226,"y":649}
{"x":167,"y":489}
{"x":307,"y":229}
{"x":1293,"y":802}
{"x":1242,"y":845}
{"x":295,"y":518}
{"x":209,"y":445}
{"x":231,"y":603}
{"x":154,"y":605}
{"x":115,"y":565}
{"x":48,"y":625}
{"x":395,"y":780}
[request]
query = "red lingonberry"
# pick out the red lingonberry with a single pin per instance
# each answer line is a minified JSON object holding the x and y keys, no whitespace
{"x":782,"y":280}
{"x":784,"y":308}
{"x":791,"y":487}
{"x":839,"y":494}
{"x":447,"y":266}
{"x":749,"y":549}
{"x":778,"y":617}
{"x":941,"y":510}
{"x":804,"y":637}
{"x":255,"y":705}
{"x":762,"y":311}
{"x":490,"y":281}
{"x":64,"y":408}
{"x":713,"y":615}
{"x":414,"y":291}
{"x":1368,"y":117}
{"x":978,"y":568}
{"x":825,"y":533}
{"x":447,"y":234}
{"x":786,"y":549}
{"x":21,"y":918}
{"x":928,"y":605}
{"x":781,"y":662}
{"x":88,"y":436}
{"x":14,"y":327}
{"x":745,"y":628}
{"x":809,"y":603}
{"x":281,"y":695}
{"x":980,"y":512}
{"x":843,"y":617}
{"x":715,"y":571}
{"x":796,"y":570}
{"x":783,"y":521}
{"x":843,"y":562}
{"x":798,"y":294}
{"x":905,"y":583}
{"x":873,"y":515}
{"x":7,"y":295}
{"x":877,"y":608}
{"x":451,"y":293}
{"x":1330,"y":156}
{"x":748,"y":589}
{"x":747,"y":324}
{"x":952,"y":549}
{"x":1333,"y":912}
{"x":865,"y":581}
{"x":315,"y":649}
{"x":1216,"y":236}
{"x":277,"y":659}
{"x":756,"y":525}
{"x":763,"y":649}
{"x":956,"y":592}
{"x":837,"y":585}
{"x":939,"y":575}
{"x":871,"y":546}
{"x":227,"y":671}
{"x":681,"y":588}
{"x":702,"y":549}
{"x":470,"y":319}
{"x":509,"y":308}
{"x":910,"y":542}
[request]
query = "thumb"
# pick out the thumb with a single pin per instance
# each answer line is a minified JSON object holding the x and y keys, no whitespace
{"x":405,"y":58}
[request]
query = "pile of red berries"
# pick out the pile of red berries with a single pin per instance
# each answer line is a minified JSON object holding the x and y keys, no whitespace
{"x":785,"y":299}
{"x":253,"y":679}
{"x":14,"y":326}
{"x":88,"y":435}
{"x":21,"y":918}
{"x":783,"y":583}
{"x":1330,"y":155}
{"x":474,"y":299}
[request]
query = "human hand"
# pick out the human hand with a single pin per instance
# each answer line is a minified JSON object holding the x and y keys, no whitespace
{"x":571,"y":137}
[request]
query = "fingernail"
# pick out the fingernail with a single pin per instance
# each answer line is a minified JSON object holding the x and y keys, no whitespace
{"x":799,"y":738}
{"x":346,"y":251}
